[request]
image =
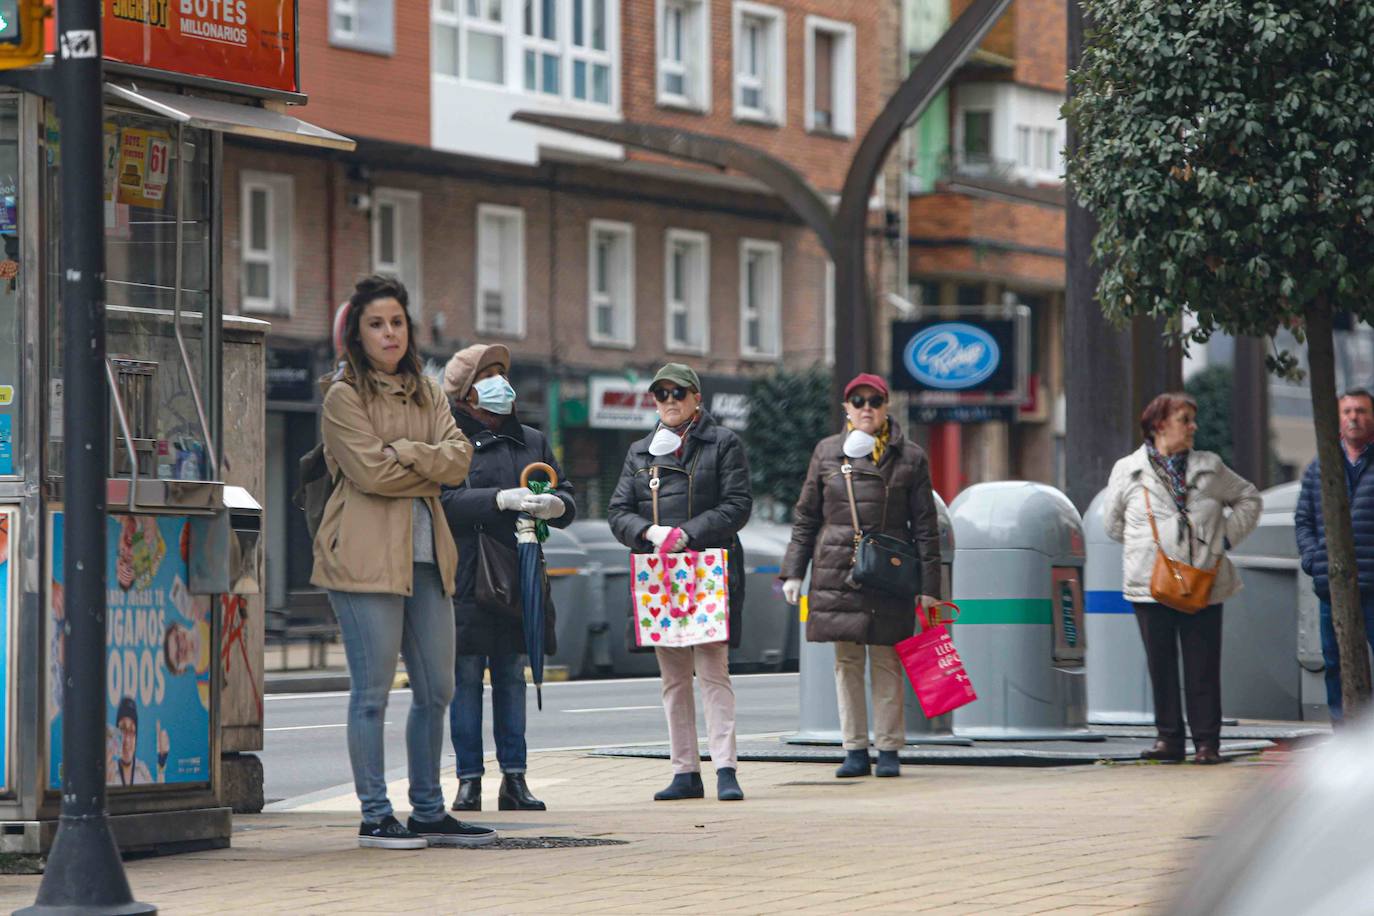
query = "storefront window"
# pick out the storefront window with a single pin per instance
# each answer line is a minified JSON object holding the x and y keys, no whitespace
{"x":142,"y":178}
{"x":11,"y":384}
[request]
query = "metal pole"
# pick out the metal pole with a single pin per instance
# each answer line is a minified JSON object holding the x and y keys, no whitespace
{"x":84,"y":873}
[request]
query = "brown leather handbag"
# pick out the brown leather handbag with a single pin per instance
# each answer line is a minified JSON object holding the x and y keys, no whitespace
{"x":1174,"y":583}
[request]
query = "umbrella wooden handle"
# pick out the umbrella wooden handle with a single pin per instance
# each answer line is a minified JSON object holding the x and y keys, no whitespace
{"x":538,"y":466}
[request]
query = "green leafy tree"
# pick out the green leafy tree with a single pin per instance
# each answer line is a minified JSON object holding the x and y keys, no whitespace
{"x":1211,"y":388}
{"x":1226,"y":148}
{"x":789,"y":412}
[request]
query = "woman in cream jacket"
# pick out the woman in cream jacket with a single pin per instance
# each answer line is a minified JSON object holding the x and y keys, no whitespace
{"x":1201,"y":508}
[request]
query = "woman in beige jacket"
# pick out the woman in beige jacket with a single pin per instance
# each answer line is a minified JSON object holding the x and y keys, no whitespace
{"x":387,"y":559}
{"x":1201,"y":508}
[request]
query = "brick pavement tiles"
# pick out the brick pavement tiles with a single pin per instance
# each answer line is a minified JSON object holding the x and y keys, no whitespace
{"x":1096,"y":839}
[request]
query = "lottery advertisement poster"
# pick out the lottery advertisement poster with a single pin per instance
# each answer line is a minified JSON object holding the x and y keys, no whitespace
{"x":8,"y":535}
{"x":158,"y":655}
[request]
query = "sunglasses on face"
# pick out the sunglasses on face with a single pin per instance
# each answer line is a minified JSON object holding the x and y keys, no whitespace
{"x":857,"y":401}
{"x":677,"y":393}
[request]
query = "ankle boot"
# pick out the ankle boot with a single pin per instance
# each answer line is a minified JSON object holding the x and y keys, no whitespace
{"x":889,"y":764}
{"x":515,"y":795}
{"x":469,"y":797}
{"x":684,"y":785}
{"x":855,"y":764}
{"x":727,"y":786}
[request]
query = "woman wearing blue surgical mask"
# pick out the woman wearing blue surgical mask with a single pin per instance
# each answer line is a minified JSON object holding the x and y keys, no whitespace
{"x":493,"y":638}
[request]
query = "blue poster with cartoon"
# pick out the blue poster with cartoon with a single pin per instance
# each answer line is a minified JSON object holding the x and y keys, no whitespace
{"x":160,"y":655}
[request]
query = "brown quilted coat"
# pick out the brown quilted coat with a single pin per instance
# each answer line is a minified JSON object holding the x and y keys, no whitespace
{"x":894,"y":497}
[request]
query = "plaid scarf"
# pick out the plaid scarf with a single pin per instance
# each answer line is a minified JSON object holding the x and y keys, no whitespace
{"x":1173,"y":471}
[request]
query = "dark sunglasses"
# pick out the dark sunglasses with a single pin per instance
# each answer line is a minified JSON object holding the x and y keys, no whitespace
{"x":873,"y":400}
{"x":677,"y":393}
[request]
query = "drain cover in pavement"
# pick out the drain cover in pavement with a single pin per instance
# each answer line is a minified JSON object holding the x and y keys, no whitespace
{"x":550,"y":842}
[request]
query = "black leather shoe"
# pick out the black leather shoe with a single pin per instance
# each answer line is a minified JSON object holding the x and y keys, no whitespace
{"x":889,"y":764}
{"x":515,"y":795}
{"x":727,"y":785}
{"x":469,"y":796}
{"x":855,"y":764}
{"x":1207,"y":755}
{"x":1164,"y":752}
{"x":684,"y":785}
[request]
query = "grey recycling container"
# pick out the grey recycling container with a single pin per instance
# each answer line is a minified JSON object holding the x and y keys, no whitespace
{"x":1018,"y":582}
{"x":566,"y":561}
{"x":763,"y":643}
{"x":819,"y":713}
{"x":1271,"y":651}
{"x":609,"y":584}
{"x":1118,"y":677}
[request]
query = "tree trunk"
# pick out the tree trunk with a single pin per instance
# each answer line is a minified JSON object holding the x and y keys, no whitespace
{"x":1340,"y":539}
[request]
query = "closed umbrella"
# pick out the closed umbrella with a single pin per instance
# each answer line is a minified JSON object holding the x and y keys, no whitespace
{"x":529,"y":535}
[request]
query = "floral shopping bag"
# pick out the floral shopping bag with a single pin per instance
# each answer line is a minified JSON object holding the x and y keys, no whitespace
{"x":934,"y":668}
{"x":680,"y":599}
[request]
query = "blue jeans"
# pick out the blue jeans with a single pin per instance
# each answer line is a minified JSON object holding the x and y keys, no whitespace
{"x":375,"y":627}
{"x":507,"y":713}
{"x":1331,"y":654}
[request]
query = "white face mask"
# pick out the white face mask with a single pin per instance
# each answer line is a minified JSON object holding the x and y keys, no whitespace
{"x":858,"y":443}
{"x":664,"y":442}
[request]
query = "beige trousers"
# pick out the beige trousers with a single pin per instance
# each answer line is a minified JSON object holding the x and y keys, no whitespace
{"x":712,"y":665}
{"x":885,"y":673}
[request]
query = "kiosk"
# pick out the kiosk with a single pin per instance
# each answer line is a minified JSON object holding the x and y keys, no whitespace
{"x":184,"y":624}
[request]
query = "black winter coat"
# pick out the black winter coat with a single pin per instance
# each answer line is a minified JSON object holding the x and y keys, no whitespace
{"x":498,"y":457}
{"x":705,"y":493}
{"x":1311,"y":529}
{"x":893,"y":497}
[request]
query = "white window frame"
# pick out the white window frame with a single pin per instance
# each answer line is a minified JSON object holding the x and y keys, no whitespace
{"x":623,"y":312}
{"x":540,"y":46}
{"x":773,"y":85}
{"x":843,"y":72}
{"x":338,"y":9}
{"x":696,"y":64}
{"x":278,"y":253}
{"x":409,"y":233}
{"x":768,"y":313}
{"x":701,"y":308}
{"x":587,"y":54}
{"x":467,"y":24}
{"x":517,"y":273}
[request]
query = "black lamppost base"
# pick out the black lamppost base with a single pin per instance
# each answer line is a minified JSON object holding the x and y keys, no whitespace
{"x":84,"y":874}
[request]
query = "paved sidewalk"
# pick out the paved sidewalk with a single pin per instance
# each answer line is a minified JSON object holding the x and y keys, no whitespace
{"x":1085,"y":839}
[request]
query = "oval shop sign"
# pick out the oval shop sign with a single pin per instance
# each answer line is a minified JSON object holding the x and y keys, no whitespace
{"x":952,"y":356}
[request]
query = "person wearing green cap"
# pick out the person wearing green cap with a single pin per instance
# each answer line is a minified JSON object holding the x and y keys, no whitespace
{"x":686,"y":485}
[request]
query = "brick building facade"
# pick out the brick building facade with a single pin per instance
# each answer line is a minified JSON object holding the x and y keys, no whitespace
{"x":595,"y":264}
{"x":986,"y":222}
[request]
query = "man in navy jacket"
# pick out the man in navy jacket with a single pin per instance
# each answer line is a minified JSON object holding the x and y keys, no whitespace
{"x":1357,"y":437}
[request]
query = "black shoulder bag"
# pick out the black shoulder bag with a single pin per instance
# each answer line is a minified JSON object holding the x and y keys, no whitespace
{"x":881,"y":561}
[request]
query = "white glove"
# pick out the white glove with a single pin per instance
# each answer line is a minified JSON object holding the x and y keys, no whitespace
{"x":512,"y":500}
{"x":657,"y":534}
{"x":543,"y":505}
{"x":791,"y":591}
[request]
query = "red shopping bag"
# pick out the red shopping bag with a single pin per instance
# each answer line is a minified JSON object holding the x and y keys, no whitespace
{"x":934,"y":667}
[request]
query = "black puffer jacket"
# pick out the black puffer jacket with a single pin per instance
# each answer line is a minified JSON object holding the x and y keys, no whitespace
{"x":705,"y":493}
{"x":893,"y":497}
{"x":498,"y":457}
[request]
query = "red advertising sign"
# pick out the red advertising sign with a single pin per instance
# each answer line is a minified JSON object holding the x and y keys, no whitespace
{"x":252,"y":42}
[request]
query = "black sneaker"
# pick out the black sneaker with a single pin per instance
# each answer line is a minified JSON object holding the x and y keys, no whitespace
{"x":451,"y":832}
{"x":389,"y":834}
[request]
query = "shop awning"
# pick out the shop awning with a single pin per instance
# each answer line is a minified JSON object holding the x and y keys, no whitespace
{"x":229,"y":118}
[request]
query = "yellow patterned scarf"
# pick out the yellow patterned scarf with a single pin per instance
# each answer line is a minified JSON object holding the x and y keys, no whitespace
{"x":880,"y":440}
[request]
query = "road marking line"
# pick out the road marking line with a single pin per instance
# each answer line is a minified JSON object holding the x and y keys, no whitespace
{"x":615,"y":708}
{"x":301,"y":728}
{"x":587,"y":682}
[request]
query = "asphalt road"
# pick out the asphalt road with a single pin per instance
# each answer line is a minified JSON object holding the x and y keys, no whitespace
{"x":306,"y":749}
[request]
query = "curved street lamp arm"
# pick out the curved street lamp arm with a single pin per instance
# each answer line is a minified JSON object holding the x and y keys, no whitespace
{"x":781,"y":178}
